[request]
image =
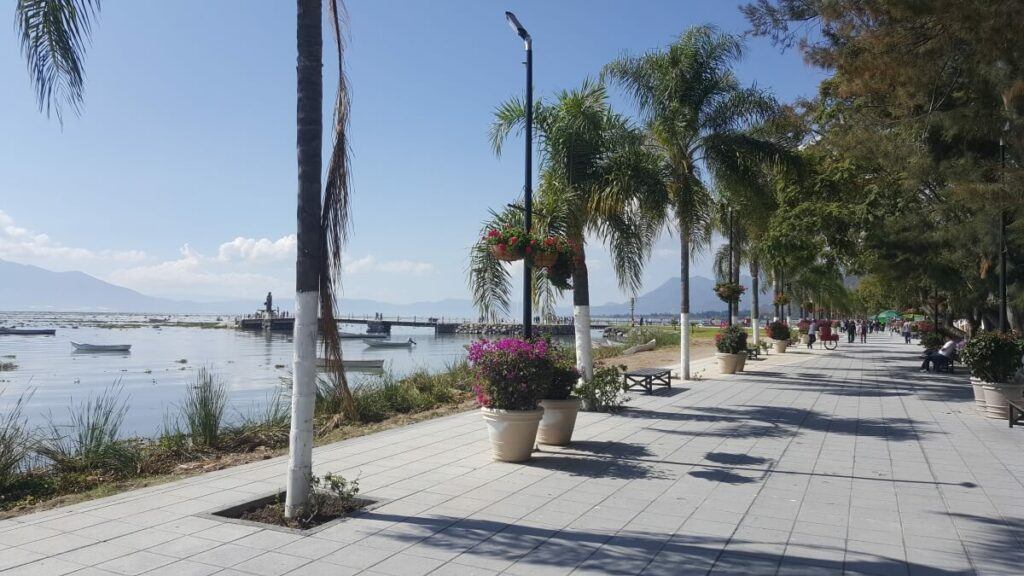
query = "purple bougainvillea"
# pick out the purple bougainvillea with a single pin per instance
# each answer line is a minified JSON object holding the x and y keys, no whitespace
{"x":513,"y":374}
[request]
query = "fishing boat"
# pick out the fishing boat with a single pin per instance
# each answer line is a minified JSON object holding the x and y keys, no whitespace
{"x":366,"y":364}
{"x":101,"y":347}
{"x":28,"y":331}
{"x":389,"y":343}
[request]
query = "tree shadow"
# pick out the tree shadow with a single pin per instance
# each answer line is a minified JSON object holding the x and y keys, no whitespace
{"x":591,"y":459}
{"x":498,"y":545}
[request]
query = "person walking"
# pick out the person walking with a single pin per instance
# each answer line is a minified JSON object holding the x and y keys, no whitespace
{"x":906,"y":332}
{"x":812,"y":333}
{"x":864,"y":332}
{"x":851,"y":330}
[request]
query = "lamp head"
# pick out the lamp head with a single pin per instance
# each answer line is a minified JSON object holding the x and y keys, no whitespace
{"x":513,"y":22}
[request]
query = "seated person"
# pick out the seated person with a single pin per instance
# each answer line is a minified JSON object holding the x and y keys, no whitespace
{"x":942,"y":357}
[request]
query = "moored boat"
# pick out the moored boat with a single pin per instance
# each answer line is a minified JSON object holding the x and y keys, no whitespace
{"x":79,"y":347}
{"x":363,"y":364}
{"x":389,"y":343}
{"x":353,"y":335}
{"x":28,"y":331}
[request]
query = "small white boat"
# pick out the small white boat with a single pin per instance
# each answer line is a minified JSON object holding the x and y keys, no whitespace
{"x":367,"y":364}
{"x":101,"y":347}
{"x":353,"y":335}
{"x":389,"y":343}
{"x":28,"y":331}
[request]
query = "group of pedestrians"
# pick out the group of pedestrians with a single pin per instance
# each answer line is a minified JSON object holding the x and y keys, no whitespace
{"x":851,"y":326}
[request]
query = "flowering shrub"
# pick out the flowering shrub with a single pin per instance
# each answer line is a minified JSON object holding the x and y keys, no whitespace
{"x":803,"y":327}
{"x":994,"y":356}
{"x":924,"y":326}
{"x":729,"y":291}
{"x":513,"y":374}
{"x":778,"y":331}
{"x":731,"y":340}
{"x":780,"y":299}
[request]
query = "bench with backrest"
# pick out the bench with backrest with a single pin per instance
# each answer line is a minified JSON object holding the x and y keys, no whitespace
{"x":1015,"y":411}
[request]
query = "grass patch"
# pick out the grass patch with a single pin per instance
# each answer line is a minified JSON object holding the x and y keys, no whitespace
{"x":15,"y":441}
{"x":203,"y":410}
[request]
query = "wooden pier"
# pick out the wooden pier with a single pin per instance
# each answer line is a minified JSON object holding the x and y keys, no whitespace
{"x":384,"y":325}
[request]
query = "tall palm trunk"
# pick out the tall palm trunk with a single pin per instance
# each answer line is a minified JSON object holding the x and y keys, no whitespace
{"x":581,"y":316}
{"x":684,"y":300}
{"x":755,"y":271}
{"x":309,"y":142}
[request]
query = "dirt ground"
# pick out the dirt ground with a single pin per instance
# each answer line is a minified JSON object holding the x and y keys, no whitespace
{"x":666,"y":356}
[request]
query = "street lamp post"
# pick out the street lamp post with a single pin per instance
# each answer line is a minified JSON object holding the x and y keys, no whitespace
{"x":528,"y":187}
{"x":1003,"y":327}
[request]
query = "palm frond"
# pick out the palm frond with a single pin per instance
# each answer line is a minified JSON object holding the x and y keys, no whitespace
{"x":54,"y":37}
{"x":334,"y":220}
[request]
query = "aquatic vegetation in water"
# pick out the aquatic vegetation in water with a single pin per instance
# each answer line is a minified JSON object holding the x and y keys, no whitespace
{"x":203,"y":410}
{"x":8,"y":366}
{"x":15,"y":440}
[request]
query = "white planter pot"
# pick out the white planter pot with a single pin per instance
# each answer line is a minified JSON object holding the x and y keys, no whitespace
{"x":726,"y":362}
{"x":995,"y":398}
{"x":780,"y":345}
{"x":979,"y":394}
{"x":558,"y":422}
{"x":513,"y":433}
{"x":741,"y":361}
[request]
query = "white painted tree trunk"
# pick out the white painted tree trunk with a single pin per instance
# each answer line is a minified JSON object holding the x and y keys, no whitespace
{"x":300,"y":455}
{"x":584,"y":346}
{"x":684,"y":346}
{"x":755,"y":324}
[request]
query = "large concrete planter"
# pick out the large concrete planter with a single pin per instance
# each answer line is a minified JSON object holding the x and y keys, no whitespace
{"x":726,"y":362}
{"x":513,"y":433}
{"x":780,"y":345}
{"x":741,"y":361}
{"x":979,"y":394}
{"x":995,"y":398}
{"x":558,"y":422}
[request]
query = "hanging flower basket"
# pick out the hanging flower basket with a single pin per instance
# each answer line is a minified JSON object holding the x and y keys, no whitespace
{"x":544,"y":253}
{"x":560,"y":272}
{"x":781,"y":299}
{"x":730,"y":291}
{"x":507,"y":244}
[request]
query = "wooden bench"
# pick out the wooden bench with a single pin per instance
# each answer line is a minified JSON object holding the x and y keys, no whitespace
{"x":1015,"y":411}
{"x":647,"y":378}
{"x":753,"y":353}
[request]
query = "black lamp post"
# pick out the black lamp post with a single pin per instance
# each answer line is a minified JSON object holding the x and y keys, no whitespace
{"x":1003,"y":327}
{"x":528,"y":187}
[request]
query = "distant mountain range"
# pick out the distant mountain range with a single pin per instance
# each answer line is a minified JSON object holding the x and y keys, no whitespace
{"x":26,"y":287}
{"x":665,"y":299}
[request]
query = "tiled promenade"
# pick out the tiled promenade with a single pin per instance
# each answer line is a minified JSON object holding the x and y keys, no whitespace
{"x":844,"y":462}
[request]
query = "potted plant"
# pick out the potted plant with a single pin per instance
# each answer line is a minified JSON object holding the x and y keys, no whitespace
{"x":513,"y":375}
{"x":560,"y":406}
{"x":780,"y":334}
{"x":507,"y":244}
{"x":731,"y":343}
{"x":803,"y":327}
{"x":995,"y":362}
{"x":780,"y":299}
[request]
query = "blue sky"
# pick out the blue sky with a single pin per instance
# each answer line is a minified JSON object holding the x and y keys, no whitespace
{"x":178,"y":179}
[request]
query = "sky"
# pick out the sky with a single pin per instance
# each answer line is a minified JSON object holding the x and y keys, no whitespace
{"x":178,"y":178}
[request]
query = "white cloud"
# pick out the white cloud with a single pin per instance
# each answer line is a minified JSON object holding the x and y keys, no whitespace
{"x":369,"y":264}
{"x":258,"y":250}
{"x":18,"y":243}
{"x":196,"y":275}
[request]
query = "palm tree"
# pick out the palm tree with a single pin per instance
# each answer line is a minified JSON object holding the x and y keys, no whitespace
{"x":696,"y":113}
{"x":597,"y":179}
{"x":54,"y":34}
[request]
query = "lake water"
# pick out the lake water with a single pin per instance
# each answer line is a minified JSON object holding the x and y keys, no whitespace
{"x":164,"y":360}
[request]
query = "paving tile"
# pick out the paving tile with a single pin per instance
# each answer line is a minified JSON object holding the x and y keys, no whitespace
{"x":136,"y":563}
{"x":271,"y":564}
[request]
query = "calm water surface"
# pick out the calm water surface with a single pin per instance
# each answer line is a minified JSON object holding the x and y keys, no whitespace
{"x":165,"y":358}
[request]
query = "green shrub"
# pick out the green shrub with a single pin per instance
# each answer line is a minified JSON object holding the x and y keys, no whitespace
{"x":603,"y":393}
{"x":203,"y":411}
{"x":15,"y":440}
{"x":91,"y":441}
{"x":931,"y":340}
{"x":564,"y":374}
{"x":994,"y":356}
{"x":778,"y":331}
{"x":662,"y":336}
{"x":731,"y":340}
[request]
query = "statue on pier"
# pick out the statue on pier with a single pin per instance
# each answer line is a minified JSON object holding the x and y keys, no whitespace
{"x":269,"y":304}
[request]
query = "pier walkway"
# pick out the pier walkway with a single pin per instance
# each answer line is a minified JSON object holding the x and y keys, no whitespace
{"x":816,"y":463}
